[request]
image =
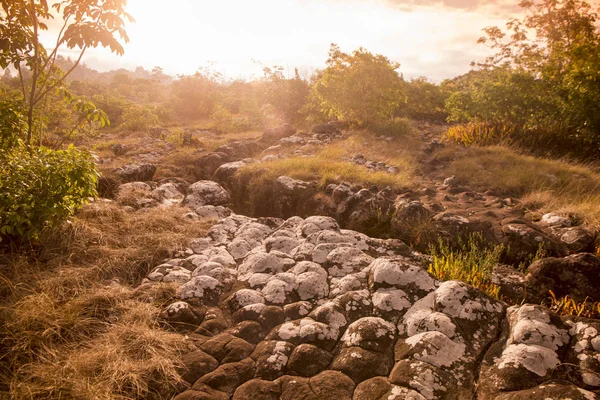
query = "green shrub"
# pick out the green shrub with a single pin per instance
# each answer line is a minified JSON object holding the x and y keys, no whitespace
{"x":227,"y":122}
{"x":139,"y":118}
{"x":472,"y":263}
{"x":42,"y":187}
{"x":12,"y":124}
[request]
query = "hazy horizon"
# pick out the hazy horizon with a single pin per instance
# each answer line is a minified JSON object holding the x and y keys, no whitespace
{"x":432,"y":39}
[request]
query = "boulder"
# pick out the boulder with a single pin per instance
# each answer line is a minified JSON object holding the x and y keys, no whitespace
{"x":278,"y":132}
{"x":135,"y":172}
{"x":206,"y":193}
{"x":577,"y":276}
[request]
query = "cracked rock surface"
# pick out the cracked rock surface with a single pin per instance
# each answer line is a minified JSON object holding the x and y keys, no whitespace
{"x":301,"y":309}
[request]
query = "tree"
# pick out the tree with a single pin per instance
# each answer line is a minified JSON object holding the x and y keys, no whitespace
{"x":85,"y":24}
{"x":556,"y":49}
{"x":358,"y":87}
{"x":286,"y":95}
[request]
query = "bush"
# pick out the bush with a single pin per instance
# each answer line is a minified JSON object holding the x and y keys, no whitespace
{"x":139,"y":118}
{"x":42,"y":187}
{"x":481,"y":133}
{"x":13,"y":124}
{"x":226,"y":122}
{"x":472,"y":263}
{"x":359,"y":87}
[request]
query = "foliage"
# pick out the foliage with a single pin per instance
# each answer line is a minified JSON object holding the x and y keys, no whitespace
{"x":226,"y":122}
{"x":480,"y":133}
{"x":42,"y":187}
{"x":198,"y":94}
{"x":139,"y":118}
{"x":497,"y":95}
{"x":425,"y":100}
{"x":84,"y":25}
{"x":58,"y":331}
{"x":286,"y":95}
{"x":13,"y":124}
{"x":360,"y":87}
{"x":472,"y":263}
{"x":544,"y":77}
{"x":567,"y":306}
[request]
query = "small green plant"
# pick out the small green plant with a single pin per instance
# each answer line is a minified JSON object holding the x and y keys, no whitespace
{"x":472,"y":263}
{"x":567,"y":306}
{"x":42,"y":187}
{"x":481,"y":133}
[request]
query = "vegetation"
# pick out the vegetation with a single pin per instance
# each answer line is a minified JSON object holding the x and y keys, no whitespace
{"x":542,"y":183}
{"x":472,"y":263}
{"x":42,"y":188}
{"x":84,"y":25}
{"x":566,"y":306}
{"x":360,"y":87}
{"x":543,"y":78}
{"x":70,"y":324}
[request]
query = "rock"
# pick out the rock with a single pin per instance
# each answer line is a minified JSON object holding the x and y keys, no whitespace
{"x":556,"y":220}
{"x":258,"y":389}
{"x":578,"y":239}
{"x":225,"y":173}
{"x":328,"y":385}
{"x":529,"y":353}
{"x":182,"y":316}
{"x":202,"y":392}
{"x":203,"y":289}
{"x":577,"y":276}
{"x":303,"y":309}
{"x":308,"y":360}
{"x":108,"y":186}
{"x":205,"y":166}
{"x":279,"y":132}
{"x":360,"y":364}
{"x":524,"y":241}
{"x":227,"y":348}
{"x":137,"y":195}
{"x":135,"y":172}
{"x":169,"y":193}
{"x":228,"y":377}
{"x":325,"y":129}
{"x":206,"y":193}
{"x":196,"y":365}
{"x":408,"y":214}
{"x":118,"y":149}
{"x":511,"y":282}
{"x":271,"y":359}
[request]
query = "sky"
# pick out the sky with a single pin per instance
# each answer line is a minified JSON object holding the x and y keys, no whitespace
{"x":436,"y":39}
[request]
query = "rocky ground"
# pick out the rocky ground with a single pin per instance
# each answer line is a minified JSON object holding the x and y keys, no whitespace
{"x":298,"y":302}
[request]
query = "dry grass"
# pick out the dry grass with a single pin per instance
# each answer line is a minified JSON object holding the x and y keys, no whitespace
{"x":71,"y":326}
{"x":549,"y":185}
{"x":210,"y":143}
{"x":330,"y":164}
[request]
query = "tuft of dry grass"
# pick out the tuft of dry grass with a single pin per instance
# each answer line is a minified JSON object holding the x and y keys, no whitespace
{"x":130,"y":358}
{"x":71,"y":326}
{"x":330,"y":165}
{"x":546,"y":184}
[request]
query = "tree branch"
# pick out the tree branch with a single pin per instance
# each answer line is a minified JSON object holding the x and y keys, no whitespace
{"x":35,"y":71}
{"x":62,"y":79}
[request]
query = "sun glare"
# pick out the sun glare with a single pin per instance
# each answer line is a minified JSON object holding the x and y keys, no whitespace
{"x":240,"y":36}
